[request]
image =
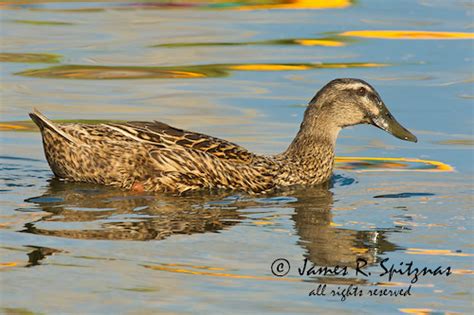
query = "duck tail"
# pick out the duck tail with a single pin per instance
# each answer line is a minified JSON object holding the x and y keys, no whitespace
{"x":44,"y":123}
{"x":41,"y":120}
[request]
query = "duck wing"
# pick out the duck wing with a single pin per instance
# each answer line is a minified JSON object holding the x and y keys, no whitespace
{"x":159,"y":134}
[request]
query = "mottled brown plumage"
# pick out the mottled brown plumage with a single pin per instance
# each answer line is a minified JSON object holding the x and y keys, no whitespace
{"x":158,"y":157}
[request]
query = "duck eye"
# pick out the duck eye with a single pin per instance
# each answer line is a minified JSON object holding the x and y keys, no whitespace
{"x":362,"y":91}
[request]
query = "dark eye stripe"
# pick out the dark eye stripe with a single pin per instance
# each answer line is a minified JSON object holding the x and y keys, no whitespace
{"x":374,"y":98}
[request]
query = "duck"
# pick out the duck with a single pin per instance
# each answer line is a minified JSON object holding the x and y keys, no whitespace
{"x":152,"y":156}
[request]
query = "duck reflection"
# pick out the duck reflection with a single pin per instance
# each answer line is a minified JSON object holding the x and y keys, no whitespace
{"x":86,"y":211}
{"x":328,"y":245}
{"x":109,"y":214}
{"x":38,"y":254}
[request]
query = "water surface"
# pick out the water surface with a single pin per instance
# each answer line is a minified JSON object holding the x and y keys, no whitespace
{"x":242,"y":71}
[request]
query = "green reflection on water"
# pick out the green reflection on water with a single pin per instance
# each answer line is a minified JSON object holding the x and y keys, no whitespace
{"x":336,"y":41}
{"x":32,"y":22}
{"x":125,"y":72}
{"x":30,"y":58}
{"x":89,"y":72}
{"x":18,"y":311}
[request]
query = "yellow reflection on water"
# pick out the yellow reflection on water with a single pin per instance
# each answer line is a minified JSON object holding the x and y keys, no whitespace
{"x":416,"y":311}
{"x":301,"y":4}
{"x":367,"y":164}
{"x":8,"y":264}
{"x":10,"y":127}
{"x":269,"y":67}
{"x":399,"y":34}
{"x":291,"y":67}
{"x":319,"y":42}
{"x":195,"y":267}
{"x":217,"y":274}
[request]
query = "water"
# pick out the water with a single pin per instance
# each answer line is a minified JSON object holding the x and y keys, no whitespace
{"x":244,"y":74}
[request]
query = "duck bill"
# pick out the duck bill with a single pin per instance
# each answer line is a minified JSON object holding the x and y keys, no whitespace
{"x":388,"y":123}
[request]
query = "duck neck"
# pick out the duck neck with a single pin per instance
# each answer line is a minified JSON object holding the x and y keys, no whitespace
{"x":316,"y":139}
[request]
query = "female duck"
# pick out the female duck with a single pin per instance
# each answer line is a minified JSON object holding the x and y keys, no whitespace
{"x":153,"y":156}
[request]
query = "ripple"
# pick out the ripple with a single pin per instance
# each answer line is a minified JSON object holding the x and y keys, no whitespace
{"x":277,"y":200}
{"x":45,"y":199}
{"x":404,"y":195}
{"x":342,"y":180}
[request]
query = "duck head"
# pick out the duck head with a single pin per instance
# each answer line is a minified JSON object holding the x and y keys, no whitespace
{"x":348,"y":102}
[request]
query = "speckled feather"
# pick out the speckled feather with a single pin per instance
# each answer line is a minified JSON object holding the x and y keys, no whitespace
{"x":162,"y":158}
{"x":158,"y":157}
